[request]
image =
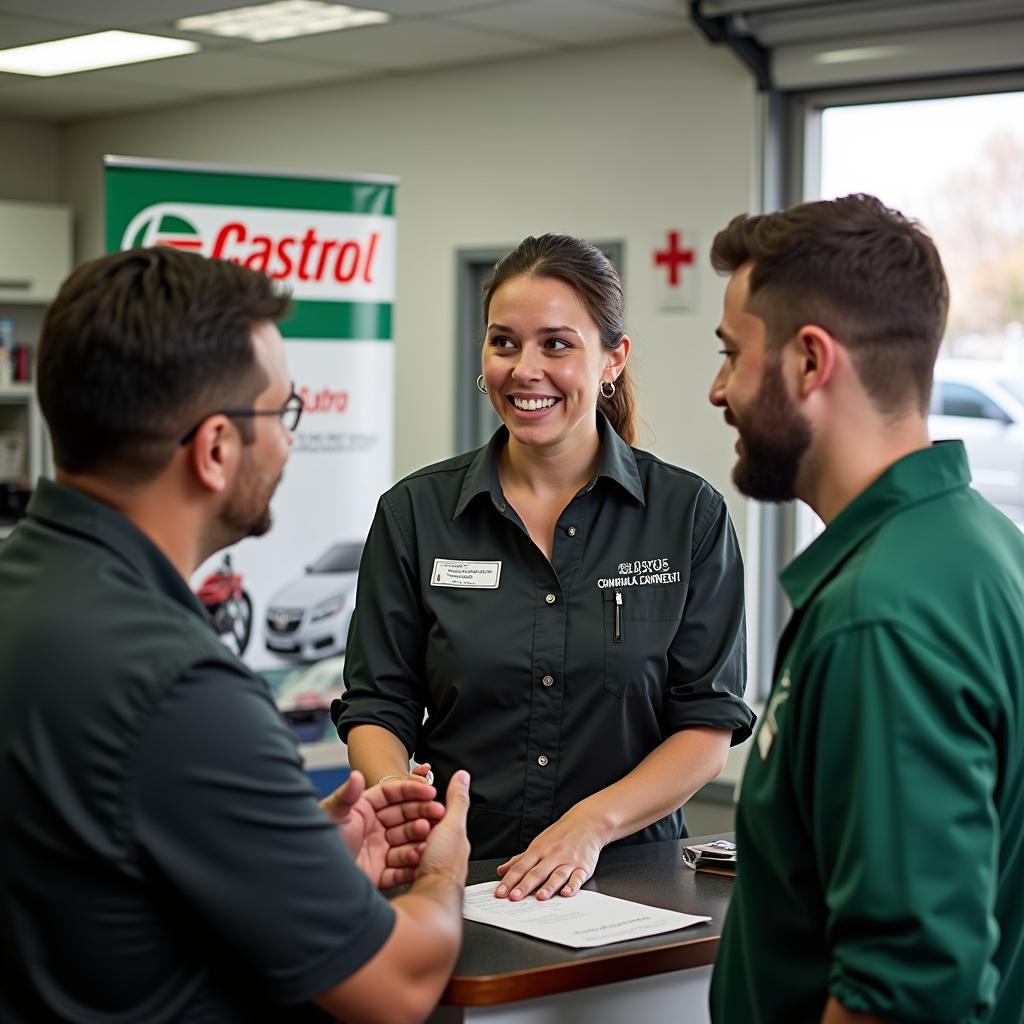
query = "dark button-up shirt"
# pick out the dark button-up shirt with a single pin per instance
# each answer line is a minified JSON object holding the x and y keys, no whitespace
{"x":547,"y":680}
{"x":162,"y":854}
{"x":881,"y":817}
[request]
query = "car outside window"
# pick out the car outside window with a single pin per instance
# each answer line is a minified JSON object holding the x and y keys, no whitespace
{"x":963,"y":400}
{"x":1015,"y":387}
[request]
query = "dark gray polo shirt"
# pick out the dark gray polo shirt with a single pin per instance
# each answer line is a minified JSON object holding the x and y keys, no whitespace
{"x":163,"y":856}
{"x":547,"y":680}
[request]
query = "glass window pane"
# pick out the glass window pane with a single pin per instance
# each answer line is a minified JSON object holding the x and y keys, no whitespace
{"x":957,"y":165}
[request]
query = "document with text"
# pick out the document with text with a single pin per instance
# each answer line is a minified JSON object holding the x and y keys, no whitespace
{"x":586,"y":919}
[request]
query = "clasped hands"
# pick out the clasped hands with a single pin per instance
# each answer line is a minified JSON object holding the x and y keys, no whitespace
{"x":386,"y":826}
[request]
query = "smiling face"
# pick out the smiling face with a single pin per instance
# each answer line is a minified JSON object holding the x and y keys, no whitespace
{"x":543,"y":361}
{"x":750,"y":387}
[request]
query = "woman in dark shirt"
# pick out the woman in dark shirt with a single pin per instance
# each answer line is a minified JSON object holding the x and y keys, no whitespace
{"x":565,"y":609}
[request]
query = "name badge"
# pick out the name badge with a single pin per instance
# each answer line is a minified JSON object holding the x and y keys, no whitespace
{"x":449,"y":572}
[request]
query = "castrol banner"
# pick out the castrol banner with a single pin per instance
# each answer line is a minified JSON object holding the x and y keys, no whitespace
{"x":286,"y":598}
{"x":322,"y":256}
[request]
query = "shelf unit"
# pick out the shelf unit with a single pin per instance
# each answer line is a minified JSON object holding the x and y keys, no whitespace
{"x":35,"y":256}
{"x":19,"y":412}
{"x":19,"y":409}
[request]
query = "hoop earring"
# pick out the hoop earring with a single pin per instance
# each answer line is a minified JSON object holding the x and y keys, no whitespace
{"x":480,"y":385}
{"x":608,"y":388}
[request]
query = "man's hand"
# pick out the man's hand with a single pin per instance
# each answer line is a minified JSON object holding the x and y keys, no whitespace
{"x":384,"y":827}
{"x":558,"y":861}
{"x":447,"y":849}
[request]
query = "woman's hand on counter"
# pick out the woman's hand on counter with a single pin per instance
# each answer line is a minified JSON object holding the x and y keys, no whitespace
{"x":558,"y":861}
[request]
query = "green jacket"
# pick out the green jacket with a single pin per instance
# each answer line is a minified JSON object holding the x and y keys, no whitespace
{"x":881,"y":823}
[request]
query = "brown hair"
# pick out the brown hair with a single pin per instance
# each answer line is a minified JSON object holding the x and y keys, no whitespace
{"x":137,"y":346}
{"x":868,"y":275}
{"x":593,"y":277}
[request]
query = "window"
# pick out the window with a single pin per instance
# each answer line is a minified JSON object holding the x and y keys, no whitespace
{"x":955,"y":163}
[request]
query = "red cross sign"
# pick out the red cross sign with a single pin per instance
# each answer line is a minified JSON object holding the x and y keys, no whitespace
{"x":673,"y":257}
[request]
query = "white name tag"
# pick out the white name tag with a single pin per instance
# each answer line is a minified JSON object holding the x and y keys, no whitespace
{"x":449,"y":572}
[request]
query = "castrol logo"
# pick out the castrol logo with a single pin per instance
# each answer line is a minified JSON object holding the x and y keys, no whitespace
{"x":319,"y":255}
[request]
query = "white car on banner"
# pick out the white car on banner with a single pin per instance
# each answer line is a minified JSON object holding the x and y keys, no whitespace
{"x":308,"y":618}
{"x":983,"y":404}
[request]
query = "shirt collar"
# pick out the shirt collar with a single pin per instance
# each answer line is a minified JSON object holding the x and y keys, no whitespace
{"x":916,"y":478}
{"x":72,"y":511}
{"x":618,"y":463}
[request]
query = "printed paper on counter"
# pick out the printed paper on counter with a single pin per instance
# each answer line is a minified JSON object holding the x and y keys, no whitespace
{"x":586,"y":919}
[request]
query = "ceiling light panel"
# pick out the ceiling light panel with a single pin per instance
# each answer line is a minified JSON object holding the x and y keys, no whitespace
{"x":285,"y":19}
{"x":89,"y":52}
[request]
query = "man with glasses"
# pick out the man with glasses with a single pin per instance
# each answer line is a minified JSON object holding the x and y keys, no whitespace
{"x":162,"y":854}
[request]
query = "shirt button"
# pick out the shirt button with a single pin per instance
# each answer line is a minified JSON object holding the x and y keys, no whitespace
{"x":501,"y":507}
{"x":548,"y":680}
{"x":571,"y":531}
{"x":550,"y":599}
{"x":542,"y":760}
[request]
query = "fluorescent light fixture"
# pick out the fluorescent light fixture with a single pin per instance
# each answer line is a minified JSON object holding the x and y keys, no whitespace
{"x":285,"y":19}
{"x":858,"y":53}
{"x":86,"y":53}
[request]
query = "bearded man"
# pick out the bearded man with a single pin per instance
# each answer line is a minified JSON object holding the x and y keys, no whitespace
{"x":880,"y":827}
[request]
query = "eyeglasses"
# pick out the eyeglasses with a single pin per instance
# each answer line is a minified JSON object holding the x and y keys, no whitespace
{"x":290,"y":413}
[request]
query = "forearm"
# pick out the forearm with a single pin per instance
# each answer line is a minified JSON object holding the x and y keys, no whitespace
{"x":405,"y":979}
{"x":836,"y":1013}
{"x":661,"y":783}
{"x":376,"y":752}
{"x":428,"y":937}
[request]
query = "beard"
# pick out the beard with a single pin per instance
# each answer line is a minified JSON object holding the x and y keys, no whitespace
{"x":246,"y":512}
{"x":774,"y":437}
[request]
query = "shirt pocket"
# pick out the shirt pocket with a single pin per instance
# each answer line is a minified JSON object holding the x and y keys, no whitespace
{"x":639,"y":627}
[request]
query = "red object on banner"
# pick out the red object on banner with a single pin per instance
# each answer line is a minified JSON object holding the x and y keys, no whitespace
{"x":673,"y":257}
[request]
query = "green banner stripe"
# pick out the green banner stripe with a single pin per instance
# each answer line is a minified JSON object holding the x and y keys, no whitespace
{"x":130,"y":189}
{"x":338,"y":321}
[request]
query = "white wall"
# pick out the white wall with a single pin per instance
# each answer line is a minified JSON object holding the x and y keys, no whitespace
{"x":614,"y":143}
{"x":30,"y":161}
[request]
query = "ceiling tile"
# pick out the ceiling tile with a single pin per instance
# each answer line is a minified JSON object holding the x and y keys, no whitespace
{"x":220,"y":73}
{"x":677,"y":10}
{"x":403,"y":45}
{"x":18,"y":31}
{"x":428,"y":8}
{"x":118,"y":13}
{"x":572,"y":22}
{"x":426,"y":33}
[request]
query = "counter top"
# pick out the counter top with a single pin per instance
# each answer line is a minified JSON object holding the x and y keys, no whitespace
{"x":498,"y":966}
